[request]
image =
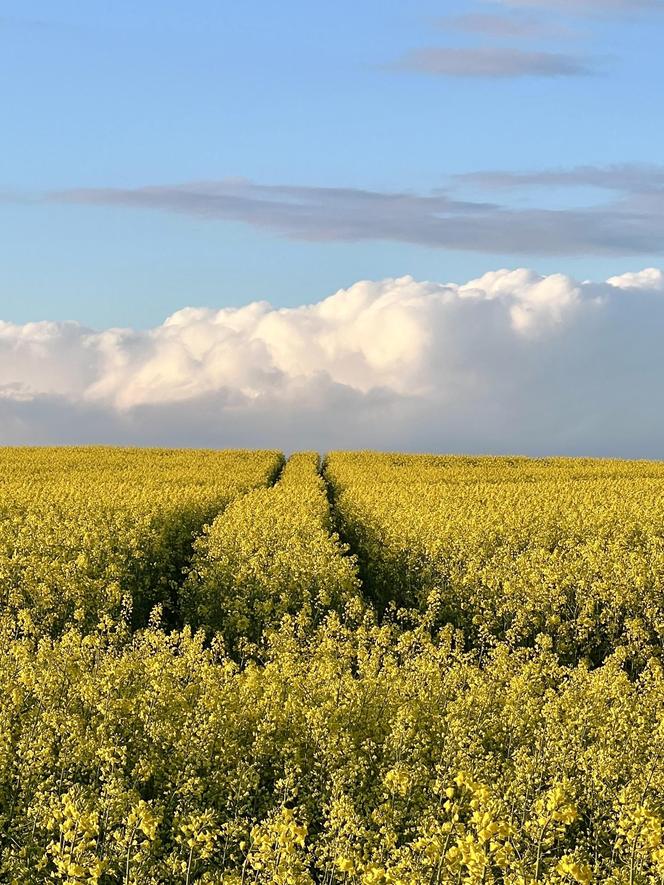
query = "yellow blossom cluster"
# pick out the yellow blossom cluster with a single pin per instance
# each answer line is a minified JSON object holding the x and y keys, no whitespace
{"x":512,"y":548}
{"x":90,"y":531}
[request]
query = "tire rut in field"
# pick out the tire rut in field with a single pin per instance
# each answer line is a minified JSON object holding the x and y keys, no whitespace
{"x":345,"y":537}
{"x":173,"y":616}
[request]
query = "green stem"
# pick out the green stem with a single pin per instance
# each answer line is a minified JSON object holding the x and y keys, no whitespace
{"x":191,"y":857}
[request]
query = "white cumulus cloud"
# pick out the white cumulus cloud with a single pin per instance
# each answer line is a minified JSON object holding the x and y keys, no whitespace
{"x":649,"y":279}
{"x":511,"y":361}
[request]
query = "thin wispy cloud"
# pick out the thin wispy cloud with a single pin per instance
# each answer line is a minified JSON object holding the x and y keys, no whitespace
{"x":586,"y":6}
{"x":625,"y":177}
{"x":30,"y":24}
{"x":492,"y":62}
{"x":629,"y":221}
{"x":511,"y":25}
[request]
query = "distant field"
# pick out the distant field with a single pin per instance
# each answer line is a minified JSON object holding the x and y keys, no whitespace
{"x":226,"y":667}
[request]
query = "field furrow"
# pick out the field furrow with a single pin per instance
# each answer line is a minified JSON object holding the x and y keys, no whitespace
{"x":91,"y":532}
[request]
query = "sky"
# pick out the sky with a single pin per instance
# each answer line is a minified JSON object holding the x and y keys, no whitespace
{"x":268,"y":217}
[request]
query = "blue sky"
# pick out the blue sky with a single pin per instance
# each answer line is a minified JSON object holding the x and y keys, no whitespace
{"x":100,"y":101}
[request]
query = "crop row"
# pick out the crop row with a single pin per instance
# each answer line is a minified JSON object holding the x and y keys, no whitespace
{"x":269,"y":554}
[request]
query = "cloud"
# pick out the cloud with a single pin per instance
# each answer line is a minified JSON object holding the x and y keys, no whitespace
{"x":512,"y":25}
{"x":492,"y":62}
{"x":629,"y":222}
{"x":651,"y":279}
{"x":509,"y":362}
{"x":586,"y":6}
{"x":7,"y":22}
{"x":625,"y":178}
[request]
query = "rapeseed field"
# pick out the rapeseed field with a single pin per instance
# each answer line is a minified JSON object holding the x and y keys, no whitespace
{"x":229,"y":667}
